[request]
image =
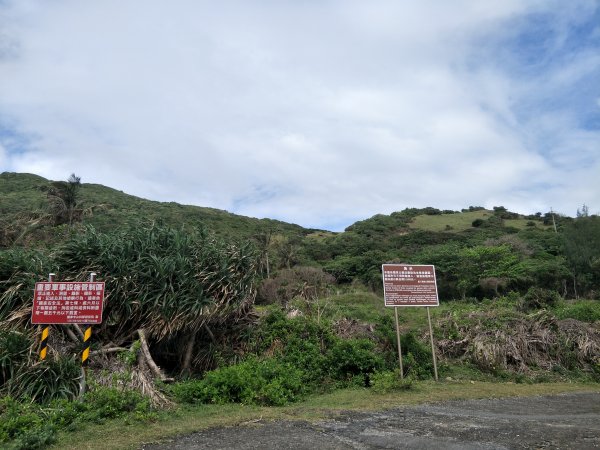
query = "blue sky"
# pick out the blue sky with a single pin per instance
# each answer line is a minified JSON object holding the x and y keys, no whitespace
{"x":317,"y":113}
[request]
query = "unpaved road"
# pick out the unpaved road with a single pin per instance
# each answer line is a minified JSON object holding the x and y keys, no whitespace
{"x":568,"y":421}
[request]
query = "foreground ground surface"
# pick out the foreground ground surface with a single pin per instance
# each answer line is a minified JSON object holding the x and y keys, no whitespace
{"x":566,"y":421}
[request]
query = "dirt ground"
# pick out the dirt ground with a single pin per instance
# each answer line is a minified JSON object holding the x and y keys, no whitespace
{"x":568,"y":421}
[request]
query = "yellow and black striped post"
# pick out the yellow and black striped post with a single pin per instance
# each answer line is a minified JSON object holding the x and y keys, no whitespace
{"x":45,"y":332}
{"x":87,"y":334}
{"x":44,"y":342}
{"x":86,"y":345}
{"x":85,"y":354}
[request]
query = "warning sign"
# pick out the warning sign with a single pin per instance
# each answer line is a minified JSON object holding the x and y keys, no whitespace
{"x":409,"y":285}
{"x":63,"y":303}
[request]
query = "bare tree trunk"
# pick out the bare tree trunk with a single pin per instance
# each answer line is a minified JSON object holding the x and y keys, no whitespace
{"x":210,"y":334}
{"x":189,"y":351}
{"x":148,"y":358}
{"x":267,"y":261}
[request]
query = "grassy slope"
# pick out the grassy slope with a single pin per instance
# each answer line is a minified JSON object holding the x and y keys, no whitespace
{"x":22,"y":193}
{"x":462,"y":221}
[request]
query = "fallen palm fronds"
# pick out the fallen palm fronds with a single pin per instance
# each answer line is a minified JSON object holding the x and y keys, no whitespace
{"x":520,"y":342}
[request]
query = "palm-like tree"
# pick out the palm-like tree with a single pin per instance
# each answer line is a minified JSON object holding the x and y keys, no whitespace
{"x":63,"y":197}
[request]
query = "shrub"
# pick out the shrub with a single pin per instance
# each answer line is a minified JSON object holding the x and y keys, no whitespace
{"x":110,"y":402}
{"x":46,"y":381}
{"x":27,"y":425}
{"x":388,"y":380}
{"x":584,"y":311}
{"x":538,"y":298}
{"x":354,"y":357}
{"x":417,"y":359}
{"x":14,"y":349}
{"x":304,"y":282}
{"x":254,"y":381}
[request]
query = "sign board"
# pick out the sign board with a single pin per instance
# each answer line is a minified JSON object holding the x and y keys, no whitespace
{"x":409,"y":285}
{"x":63,"y":303}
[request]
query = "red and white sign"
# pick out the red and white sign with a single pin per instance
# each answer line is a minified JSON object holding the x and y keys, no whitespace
{"x":63,"y":303}
{"x":409,"y":285}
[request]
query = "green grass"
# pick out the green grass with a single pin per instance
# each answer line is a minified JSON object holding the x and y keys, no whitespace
{"x":23,"y":193}
{"x":583,"y":310}
{"x":184,"y":420}
{"x":463,"y":221}
{"x":457,"y":222}
{"x":360,"y":305}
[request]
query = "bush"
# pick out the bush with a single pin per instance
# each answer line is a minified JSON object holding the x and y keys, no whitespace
{"x":257,"y":382}
{"x":110,"y":402}
{"x":14,"y":349}
{"x":354,"y":357}
{"x":387,"y":381}
{"x":304,"y":282}
{"x":584,"y":311}
{"x":417,"y":359}
{"x":27,"y":425}
{"x":45,"y":381}
{"x":539,"y":298}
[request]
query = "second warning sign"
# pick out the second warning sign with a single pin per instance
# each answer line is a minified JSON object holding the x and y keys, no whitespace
{"x":409,"y":285}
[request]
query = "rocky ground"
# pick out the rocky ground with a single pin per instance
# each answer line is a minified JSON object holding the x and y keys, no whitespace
{"x":569,"y":421}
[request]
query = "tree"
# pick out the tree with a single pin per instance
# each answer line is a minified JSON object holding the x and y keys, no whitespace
{"x":583,"y":212}
{"x":63,"y":197}
{"x":288,"y":250}
{"x":581,"y":240}
{"x":263,"y":240}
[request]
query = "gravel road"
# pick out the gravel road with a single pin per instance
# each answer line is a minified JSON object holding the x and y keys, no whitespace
{"x":568,"y":421}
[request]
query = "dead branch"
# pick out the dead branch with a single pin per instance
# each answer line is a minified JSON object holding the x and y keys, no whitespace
{"x":148,"y":358}
{"x":70,"y":333}
{"x":79,"y":332}
{"x":106,"y":350}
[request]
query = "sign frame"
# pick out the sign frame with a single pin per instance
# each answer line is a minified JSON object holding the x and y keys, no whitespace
{"x":409,"y":285}
{"x":59,"y":303}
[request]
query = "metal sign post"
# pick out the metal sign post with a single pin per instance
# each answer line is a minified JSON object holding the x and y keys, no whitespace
{"x":432,"y":346}
{"x":85,"y":354}
{"x":45,"y":331}
{"x":88,"y":333}
{"x":399,"y":346}
{"x":410,"y":285}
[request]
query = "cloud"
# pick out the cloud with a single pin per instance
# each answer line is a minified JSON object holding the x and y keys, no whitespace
{"x":319,"y":113}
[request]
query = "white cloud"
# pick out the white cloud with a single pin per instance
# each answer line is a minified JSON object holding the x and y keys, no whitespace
{"x":316,"y":113}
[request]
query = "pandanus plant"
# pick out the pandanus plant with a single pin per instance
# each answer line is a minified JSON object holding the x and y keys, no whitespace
{"x":161,"y":283}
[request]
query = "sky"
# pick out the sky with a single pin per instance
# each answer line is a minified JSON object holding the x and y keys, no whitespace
{"x":319,"y":113}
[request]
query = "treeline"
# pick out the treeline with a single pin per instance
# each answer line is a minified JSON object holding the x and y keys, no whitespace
{"x":487,"y":259}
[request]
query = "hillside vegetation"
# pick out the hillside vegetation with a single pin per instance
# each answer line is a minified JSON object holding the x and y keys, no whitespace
{"x":204,"y":306}
{"x":26,"y":210}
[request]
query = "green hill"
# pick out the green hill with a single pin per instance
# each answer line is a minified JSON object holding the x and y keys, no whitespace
{"x":24,"y":198}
